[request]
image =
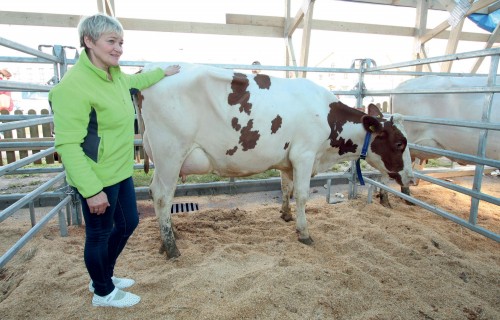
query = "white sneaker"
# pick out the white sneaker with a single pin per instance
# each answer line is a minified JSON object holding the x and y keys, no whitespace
{"x":117,"y":299}
{"x":120,"y":283}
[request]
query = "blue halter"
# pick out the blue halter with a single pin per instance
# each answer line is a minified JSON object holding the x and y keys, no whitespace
{"x":363,"y":156}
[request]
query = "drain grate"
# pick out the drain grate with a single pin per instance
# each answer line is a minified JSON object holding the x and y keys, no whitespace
{"x":184,"y":207}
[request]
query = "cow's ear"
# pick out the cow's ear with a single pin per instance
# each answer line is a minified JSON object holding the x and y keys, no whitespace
{"x":374,"y":111}
{"x":371,"y":124}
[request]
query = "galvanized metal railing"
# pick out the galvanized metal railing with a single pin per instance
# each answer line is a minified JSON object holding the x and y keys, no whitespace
{"x":29,"y":198}
{"x":72,"y":205}
{"x":484,"y":126}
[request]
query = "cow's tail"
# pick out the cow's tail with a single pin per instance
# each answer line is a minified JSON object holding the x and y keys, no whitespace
{"x":137,"y":100}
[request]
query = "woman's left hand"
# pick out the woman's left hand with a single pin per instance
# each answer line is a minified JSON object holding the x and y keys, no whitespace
{"x":171,"y":70}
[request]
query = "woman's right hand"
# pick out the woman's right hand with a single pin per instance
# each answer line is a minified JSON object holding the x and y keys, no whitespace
{"x":171,"y":70}
{"x":98,"y":203}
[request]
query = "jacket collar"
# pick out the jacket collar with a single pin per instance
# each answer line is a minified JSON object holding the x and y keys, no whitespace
{"x":84,"y":59}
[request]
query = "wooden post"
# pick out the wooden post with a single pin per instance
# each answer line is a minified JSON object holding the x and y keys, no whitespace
{"x":10,"y":155}
{"x":47,"y":132}
{"x":34,"y":133}
{"x":21,"y":134}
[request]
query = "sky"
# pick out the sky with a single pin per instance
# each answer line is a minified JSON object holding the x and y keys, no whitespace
{"x":335,"y":49}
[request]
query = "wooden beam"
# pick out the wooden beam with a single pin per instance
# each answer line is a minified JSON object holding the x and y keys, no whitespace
{"x":106,"y":6}
{"x":433,"y":4}
{"x":420,"y":27}
{"x":476,"y":6}
{"x":289,"y":52}
{"x":39,"y":19}
{"x":451,"y":46}
{"x":494,"y":7}
{"x":110,"y":8}
{"x":275,"y":28}
{"x":263,"y":21}
{"x":200,"y":27}
{"x":291,"y":26}
{"x":480,"y":4}
{"x":306,"y":35}
{"x":355,"y":27}
{"x":434,"y":32}
{"x":493,"y":38}
{"x":71,"y":21}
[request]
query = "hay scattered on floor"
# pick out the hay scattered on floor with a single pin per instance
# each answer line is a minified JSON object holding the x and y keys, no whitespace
{"x":241,"y":261}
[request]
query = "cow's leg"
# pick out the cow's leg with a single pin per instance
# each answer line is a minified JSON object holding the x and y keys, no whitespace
{"x":384,"y":195}
{"x":163,"y":186}
{"x":301,"y":182}
{"x":418,"y":164}
{"x":162,"y":199}
{"x":286,"y":190}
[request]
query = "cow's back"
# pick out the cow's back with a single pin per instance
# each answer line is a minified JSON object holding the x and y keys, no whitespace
{"x":236,"y":118}
{"x":465,"y":106}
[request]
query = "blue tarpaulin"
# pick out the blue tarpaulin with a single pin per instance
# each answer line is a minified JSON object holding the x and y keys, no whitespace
{"x":486,"y":22}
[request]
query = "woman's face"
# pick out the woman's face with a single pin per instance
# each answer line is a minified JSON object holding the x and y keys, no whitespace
{"x":106,"y":51}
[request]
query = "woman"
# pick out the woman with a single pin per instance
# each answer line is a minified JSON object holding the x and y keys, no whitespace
{"x":94,"y":135}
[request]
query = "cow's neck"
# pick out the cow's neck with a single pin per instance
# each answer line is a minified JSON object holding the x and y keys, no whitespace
{"x":346,"y":130}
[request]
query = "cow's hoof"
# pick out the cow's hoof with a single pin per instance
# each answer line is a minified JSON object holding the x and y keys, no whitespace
{"x":384,"y":200}
{"x":172,"y":253}
{"x":162,"y":249}
{"x":307,"y":241}
{"x":406,"y":190}
{"x":385,"y":203}
{"x":287,"y":216}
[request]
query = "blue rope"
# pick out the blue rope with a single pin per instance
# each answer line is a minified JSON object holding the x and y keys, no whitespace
{"x":363,"y":156}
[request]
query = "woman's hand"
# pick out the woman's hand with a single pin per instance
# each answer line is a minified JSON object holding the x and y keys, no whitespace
{"x":98,"y":203}
{"x":171,"y":70}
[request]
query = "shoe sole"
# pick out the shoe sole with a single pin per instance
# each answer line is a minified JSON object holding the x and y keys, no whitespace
{"x":131,"y":304}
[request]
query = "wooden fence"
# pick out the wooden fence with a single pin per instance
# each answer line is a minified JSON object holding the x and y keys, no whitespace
{"x":38,"y":133}
{"x":34,"y":134}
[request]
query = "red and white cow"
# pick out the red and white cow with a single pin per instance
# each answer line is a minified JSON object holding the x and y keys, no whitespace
{"x":455,"y":106}
{"x":208,"y":119}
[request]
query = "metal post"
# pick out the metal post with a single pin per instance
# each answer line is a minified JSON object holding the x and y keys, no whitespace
{"x":328,"y":189}
{"x":360,"y":87}
{"x":369,"y":198}
{"x":63,"y":227}
{"x":32,"y":213}
{"x":483,"y":138}
{"x":353,"y":181}
{"x":76,"y":217}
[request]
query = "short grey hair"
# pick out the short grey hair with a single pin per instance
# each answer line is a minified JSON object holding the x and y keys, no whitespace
{"x":96,"y":25}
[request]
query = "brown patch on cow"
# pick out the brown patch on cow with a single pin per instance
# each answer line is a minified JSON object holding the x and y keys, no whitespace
{"x":234,"y":123}
{"x":239,"y":94}
{"x":276,"y":124}
{"x":263,"y":81}
{"x":286,"y":145}
{"x":390,"y":144}
{"x":249,"y":138}
{"x":230,"y":152}
{"x":337,"y":117}
{"x":140,"y":98}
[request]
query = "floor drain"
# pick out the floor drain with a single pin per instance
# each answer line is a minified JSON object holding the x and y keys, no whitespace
{"x":184,"y":207}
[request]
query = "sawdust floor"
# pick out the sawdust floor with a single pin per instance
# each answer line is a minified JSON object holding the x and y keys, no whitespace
{"x":241,"y":261}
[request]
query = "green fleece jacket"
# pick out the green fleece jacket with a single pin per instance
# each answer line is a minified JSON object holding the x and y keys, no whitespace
{"x":94,"y":124}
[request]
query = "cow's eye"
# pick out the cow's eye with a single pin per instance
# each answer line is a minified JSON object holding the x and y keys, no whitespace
{"x":400,"y":145}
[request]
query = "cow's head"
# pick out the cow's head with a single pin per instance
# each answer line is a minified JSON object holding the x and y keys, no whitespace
{"x":388,"y":151}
